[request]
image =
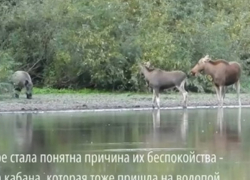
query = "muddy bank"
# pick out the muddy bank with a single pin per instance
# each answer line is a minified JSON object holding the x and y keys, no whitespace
{"x":109,"y":101}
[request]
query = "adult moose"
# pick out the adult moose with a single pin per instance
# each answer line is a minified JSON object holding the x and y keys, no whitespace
{"x":159,"y":80}
{"x":223,"y":74}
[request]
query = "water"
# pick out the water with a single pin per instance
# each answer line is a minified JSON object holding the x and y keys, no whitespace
{"x":223,"y":132}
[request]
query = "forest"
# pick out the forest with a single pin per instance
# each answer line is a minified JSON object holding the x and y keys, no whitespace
{"x":96,"y":44}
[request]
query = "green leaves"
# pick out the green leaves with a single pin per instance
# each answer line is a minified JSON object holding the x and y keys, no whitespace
{"x":97,"y":44}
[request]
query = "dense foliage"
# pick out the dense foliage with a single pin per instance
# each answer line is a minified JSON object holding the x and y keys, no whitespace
{"x":96,"y":44}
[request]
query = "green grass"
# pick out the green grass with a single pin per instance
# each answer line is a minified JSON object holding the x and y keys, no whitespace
{"x":36,"y":90}
{"x":83,"y":91}
{"x":65,"y":91}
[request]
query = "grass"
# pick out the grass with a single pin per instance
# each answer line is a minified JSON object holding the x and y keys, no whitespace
{"x":5,"y":88}
{"x":65,"y":91}
{"x":81,"y":91}
{"x":47,"y":91}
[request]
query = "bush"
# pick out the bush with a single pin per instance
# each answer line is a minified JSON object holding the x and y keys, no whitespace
{"x":97,"y":44}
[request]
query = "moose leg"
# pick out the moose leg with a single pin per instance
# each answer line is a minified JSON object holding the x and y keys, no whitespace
{"x":223,"y":92}
{"x":217,"y":93}
{"x":237,"y":85}
{"x":181,"y":88}
{"x":153,"y":99}
{"x":221,"y":95}
{"x":157,"y":98}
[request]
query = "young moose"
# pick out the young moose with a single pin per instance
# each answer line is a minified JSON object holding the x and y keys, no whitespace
{"x":159,"y":80}
{"x":223,"y":74}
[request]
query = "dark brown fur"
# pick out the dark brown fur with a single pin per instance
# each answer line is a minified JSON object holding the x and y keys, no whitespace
{"x":223,"y":73}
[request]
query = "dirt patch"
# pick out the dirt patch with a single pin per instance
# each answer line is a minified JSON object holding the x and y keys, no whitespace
{"x":109,"y":101}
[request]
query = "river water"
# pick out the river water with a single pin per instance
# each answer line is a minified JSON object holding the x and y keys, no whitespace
{"x":156,"y":144}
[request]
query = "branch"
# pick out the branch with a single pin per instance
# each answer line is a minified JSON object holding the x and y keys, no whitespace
{"x":34,"y":65}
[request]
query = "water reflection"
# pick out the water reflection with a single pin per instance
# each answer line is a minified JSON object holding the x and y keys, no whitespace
{"x":228,"y":133}
{"x":156,"y":114}
{"x":23,"y":130}
{"x":168,"y":131}
{"x":220,"y":131}
{"x":226,"y":129}
{"x":184,"y":125}
{"x":224,"y":126}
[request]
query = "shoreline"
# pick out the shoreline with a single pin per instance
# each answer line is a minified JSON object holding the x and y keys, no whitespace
{"x":114,"y":110}
{"x":111,"y":102}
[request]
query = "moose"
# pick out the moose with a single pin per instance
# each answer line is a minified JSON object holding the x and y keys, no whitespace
{"x":223,"y":74}
{"x":159,"y":79}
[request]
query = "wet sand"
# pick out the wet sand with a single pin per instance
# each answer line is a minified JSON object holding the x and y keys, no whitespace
{"x":52,"y":102}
